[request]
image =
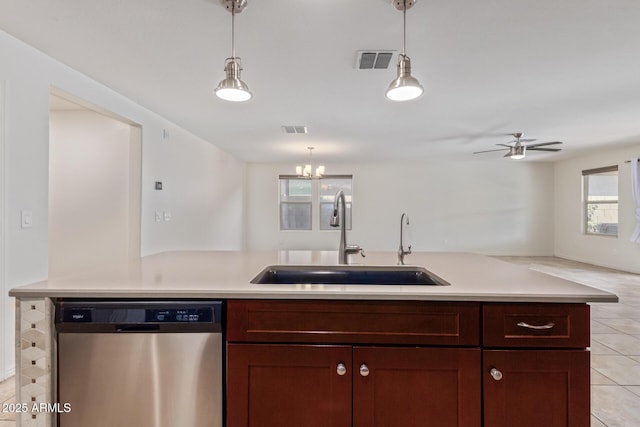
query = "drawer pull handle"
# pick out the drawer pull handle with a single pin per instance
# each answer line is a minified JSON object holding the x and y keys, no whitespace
{"x":549,"y":325}
{"x":364,"y":370}
{"x":341,"y":369}
{"x":495,"y":374}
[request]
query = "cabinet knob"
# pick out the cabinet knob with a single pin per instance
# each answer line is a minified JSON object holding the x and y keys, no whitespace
{"x":495,"y":374}
{"x":364,"y":370}
{"x":341,"y":369}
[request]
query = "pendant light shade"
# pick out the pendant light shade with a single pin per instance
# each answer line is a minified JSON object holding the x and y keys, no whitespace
{"x":404,"y":87}
{"x":232,"y":88}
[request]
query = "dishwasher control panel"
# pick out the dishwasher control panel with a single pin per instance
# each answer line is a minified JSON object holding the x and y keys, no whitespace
{"x":131,"y":316}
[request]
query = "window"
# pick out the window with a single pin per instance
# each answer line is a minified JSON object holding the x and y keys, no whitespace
{"x":307,"y":204}
{"x":295,"y":204}
{"x":600,"y":201}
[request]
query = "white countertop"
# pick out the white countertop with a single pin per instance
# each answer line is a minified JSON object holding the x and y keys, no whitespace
{"x":227,"y":274}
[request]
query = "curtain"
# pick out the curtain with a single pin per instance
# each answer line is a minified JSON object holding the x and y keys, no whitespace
{"x":635,"y":188}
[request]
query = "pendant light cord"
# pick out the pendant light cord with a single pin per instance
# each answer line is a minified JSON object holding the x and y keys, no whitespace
{"x":404,"y":28}
{"x":233,"y":32}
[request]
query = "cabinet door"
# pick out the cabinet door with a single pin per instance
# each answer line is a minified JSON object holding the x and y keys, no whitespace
{"x":288,"y":385}
{"x":416,"y":387}
{"x":533,"y":388}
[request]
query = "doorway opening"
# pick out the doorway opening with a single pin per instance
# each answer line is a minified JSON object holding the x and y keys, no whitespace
{"x":95,"y":162}
{"x":7,"y":304}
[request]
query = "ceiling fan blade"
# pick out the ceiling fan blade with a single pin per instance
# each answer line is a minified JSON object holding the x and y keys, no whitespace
{"x":505,"y":145}
{"x":544,"y":143}
{"x":543,"y":149}
{"x":507,"y":155}
{"x":488,"y":151}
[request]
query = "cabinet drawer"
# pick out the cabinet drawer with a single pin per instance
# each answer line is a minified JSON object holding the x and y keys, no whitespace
{"x":354,"y":322}
{"x":536,"y":325}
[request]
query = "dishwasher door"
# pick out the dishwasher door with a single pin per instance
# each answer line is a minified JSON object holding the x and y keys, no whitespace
{"x":134,"y":368}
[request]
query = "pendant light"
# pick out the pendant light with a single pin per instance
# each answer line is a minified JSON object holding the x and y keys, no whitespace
{"x":405,"y":87}
{"x":232,"y":88}
{"x":306,"y":171}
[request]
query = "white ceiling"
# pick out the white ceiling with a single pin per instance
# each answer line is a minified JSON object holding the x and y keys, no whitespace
{"x":564,"y":70}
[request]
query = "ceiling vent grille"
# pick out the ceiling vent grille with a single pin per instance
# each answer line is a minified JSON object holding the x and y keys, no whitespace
{"x":294,"y":129}
{"x":373,"y":60}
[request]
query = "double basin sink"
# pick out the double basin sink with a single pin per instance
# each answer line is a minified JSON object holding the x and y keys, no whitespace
{"x":347,"y":275}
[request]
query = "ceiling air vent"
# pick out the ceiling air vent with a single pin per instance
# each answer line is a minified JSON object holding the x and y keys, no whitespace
{"x":294,"y":129}
{"x":373,"y":59}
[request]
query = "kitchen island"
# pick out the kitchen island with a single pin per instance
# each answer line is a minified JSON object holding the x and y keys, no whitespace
{"x":473,"y":314}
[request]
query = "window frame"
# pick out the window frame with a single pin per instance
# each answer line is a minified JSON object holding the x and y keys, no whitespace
{"x":586,"y":202}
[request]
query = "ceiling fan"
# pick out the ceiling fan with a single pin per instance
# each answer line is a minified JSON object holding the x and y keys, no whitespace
{"x":518,"y":150}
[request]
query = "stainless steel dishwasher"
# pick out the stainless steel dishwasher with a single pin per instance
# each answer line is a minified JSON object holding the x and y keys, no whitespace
{"x":140,"y":363}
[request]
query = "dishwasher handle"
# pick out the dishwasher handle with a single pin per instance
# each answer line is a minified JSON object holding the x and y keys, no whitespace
{"x":138,"y":328}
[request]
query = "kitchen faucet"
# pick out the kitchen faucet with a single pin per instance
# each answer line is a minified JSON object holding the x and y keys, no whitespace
{"x":340,"y":221}
{"x":401,"y":251}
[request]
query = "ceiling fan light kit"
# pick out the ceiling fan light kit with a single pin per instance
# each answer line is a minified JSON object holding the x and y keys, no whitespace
{"x":517,"y":153}
{"x":405,"y":87}
{"x":232,"y":88}
{"x":519,"y":150}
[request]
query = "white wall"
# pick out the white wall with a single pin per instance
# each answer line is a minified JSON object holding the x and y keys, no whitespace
{"x":204,"y":188}
{"x":92,"y":159}
{"x":493,"y":207}
{"x":570,"y":241}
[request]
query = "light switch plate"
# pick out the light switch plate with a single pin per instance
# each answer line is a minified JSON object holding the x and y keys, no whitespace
{"x":26,"y":219}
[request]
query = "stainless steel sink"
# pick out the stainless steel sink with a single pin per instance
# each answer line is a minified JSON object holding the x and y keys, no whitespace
{"x":347,"y":275}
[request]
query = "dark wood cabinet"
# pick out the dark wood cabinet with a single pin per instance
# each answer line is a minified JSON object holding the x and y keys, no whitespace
{"x":288,"y":385}
{"x":334,"y":386}
{"x":536,"y":388}
{"x":353,"y":363}
{"x":414,"y":387}
{"x":536,"y":369}
{"x":407,"y":363}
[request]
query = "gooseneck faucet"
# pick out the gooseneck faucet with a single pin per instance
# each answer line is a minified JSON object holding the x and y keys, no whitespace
{"x":401,"y":251}
{"x":340,"y":221}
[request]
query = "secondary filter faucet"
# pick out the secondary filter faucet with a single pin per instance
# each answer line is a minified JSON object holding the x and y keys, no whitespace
{"x":401,"y":251}
{"x":340,"y":221}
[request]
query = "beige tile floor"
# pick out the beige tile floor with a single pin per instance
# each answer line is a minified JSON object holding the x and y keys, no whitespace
{"x":615,"y":342}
